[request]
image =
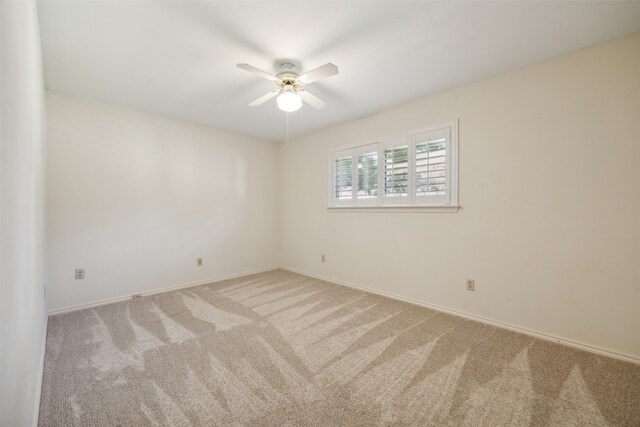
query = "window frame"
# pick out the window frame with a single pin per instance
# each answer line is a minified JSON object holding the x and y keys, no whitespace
{"x":412,"y":202}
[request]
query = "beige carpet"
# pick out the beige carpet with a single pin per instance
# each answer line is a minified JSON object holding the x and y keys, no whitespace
{"x":279,"y":348}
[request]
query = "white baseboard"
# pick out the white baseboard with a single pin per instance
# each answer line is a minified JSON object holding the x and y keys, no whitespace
{"x":40,"y":375}
{"x":500,"y":324}
{"x":157,"y":291}
{"x":504,"y":325}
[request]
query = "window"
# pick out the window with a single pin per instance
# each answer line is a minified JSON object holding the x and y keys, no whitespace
{"x":418,"y":169}
{"x":431,"y":167}
{"x":357,"y":165}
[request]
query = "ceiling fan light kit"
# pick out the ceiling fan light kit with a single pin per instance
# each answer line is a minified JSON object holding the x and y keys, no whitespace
{"x":290,"y":92}
{"x":289,"y":100}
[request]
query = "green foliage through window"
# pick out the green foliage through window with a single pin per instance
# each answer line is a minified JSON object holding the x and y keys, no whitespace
{"x":368,"y":175}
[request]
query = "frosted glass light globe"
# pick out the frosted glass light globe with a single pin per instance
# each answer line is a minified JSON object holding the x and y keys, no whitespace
{"x":289,"y":101}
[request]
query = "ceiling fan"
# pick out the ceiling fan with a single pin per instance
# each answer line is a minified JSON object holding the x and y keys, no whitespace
{"x":290,"y":85}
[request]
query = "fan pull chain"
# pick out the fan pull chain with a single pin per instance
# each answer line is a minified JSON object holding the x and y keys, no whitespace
{"x":287,"y":130}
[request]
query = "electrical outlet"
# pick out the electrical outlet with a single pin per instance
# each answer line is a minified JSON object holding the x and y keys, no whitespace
{"x":199,"y":262}
{"x":471,"y":285}
{"x":322,"y":258}
{"x":79,"y":273}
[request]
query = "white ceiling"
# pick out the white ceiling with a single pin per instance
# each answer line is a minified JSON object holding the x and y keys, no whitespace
{"x":179,"y":58}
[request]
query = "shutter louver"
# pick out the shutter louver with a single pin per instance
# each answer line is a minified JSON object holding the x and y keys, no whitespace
{"x":431,"y":166}
{"x":396,"y":171}
{"x":343,"y":177}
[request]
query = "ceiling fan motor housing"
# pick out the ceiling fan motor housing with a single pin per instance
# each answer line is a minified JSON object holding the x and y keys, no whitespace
{"x":287,"y":73}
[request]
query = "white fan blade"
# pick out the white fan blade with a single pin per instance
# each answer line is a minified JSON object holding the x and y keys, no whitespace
{"x":327,"y":70}
{"x":311,"y":99}
{"x":264,"y":98}
{"x":257,"y":72}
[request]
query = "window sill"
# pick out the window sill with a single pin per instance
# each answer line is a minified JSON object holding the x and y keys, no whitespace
{"x":439,"y":208}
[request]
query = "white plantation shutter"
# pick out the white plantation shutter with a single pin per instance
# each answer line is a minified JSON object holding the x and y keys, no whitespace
{"x":343,"y":178}
{"x":395,"y":177}
{"x":431,"y":167}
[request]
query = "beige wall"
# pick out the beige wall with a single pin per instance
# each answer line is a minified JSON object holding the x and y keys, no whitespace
{"x":135,"y":198}
{"x":550,"y":225}
{"x":22,"y":308}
